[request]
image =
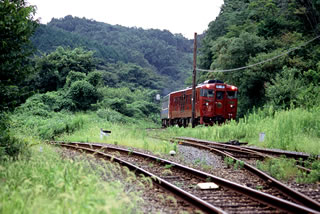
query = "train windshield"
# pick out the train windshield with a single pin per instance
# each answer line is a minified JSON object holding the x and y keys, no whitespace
{"x":220,"y":95}
{"x":207,"y":93}
{"x":232,"y":94}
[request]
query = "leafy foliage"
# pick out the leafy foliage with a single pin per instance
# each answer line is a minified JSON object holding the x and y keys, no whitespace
{"x":254,"y":31}
{"x":73,"y":77}
{"x":53,"y":68}
{"x":83,"y":94}
{"x":16,"y":28}
{"x":156,"y":53}
{"x":138,"y":103}
{"x":10,"y":146}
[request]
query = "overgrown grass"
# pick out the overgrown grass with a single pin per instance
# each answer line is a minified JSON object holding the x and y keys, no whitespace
{"x":46,"y":128}
{"x":296,"y":130}
{"x":126,"y":134}
{"x":286,"y":169}
{"x":85,"y":127}
{"x":45,"y":183}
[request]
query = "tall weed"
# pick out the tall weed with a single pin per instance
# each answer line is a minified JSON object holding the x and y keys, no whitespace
{"x":46,"y":183}
{"x":293,"y":129}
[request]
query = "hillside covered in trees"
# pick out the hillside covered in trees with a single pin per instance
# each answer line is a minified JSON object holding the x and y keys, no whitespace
{"x":81,"y":65}
{"x":165,"y":58}
{"x":247,"y":32}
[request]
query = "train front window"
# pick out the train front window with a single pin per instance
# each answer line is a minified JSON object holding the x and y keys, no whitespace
{"x":220,"y":95}
{"x":207,"y":93}
{"x":210,"y":93}
{"x":232,"y":94}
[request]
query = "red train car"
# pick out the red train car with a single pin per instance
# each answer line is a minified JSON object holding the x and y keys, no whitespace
{"x":215,"y":102}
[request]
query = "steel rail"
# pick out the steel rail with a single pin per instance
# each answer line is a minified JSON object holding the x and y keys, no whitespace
{"x":226,"y":147}
{"x":192,"y":199}
{"x":264,"y":198}
{"x":291,"y":193}
{"x":260,"y":151}
{"x":254,"y":151}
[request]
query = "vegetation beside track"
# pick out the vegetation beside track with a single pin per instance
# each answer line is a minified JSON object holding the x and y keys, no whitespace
{"x":286,"y":169}
{"x":295,"y":129}
{"x":45,"y":183}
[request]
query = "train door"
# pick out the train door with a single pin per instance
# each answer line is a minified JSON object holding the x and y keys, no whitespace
{"x":219,"y":103}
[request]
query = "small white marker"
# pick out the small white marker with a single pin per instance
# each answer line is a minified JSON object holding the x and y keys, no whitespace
{"x":209,"y":185}
{"x":172,"y":153}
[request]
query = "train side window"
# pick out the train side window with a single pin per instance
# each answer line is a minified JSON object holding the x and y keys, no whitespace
{"x":220,"y":95}
{"x":206,"y":93}
{"x":210,"y":93}
{"x":203,"y":92}
{"x":232,"y":94}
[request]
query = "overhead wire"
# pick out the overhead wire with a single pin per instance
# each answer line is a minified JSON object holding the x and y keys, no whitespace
{"x":262,"y":62}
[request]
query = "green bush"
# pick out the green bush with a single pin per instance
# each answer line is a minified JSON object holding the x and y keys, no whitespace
{"x":10,"y":146}
{"x":59,"y":124}
{"x":35,"y":106}
{"x":137,"y":103}
{"x":83,"y":94}
{"x":285,"y":88}
{"x":73,"y":77}
{"x":95,"y":78}
{"x":113,"y":116}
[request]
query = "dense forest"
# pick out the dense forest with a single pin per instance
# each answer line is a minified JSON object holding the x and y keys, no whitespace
{"x":163,"y":57}
{"x":247,"y":32}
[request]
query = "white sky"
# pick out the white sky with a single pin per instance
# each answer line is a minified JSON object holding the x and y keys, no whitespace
{"x":177,"y":16}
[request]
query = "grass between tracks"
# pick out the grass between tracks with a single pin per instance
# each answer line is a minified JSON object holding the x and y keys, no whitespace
{"x":45,"y":183}
{"x":294,"y":130}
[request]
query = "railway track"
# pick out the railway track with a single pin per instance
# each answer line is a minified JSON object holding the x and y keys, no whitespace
{"x":247,"y":158}
{"x":251,"y":154}
{"x":182,"y":181}
{"x":249,"y":150}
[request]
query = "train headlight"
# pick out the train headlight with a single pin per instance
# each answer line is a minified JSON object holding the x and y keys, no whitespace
{"x":207,"y":104}
{"x":231,"y":106}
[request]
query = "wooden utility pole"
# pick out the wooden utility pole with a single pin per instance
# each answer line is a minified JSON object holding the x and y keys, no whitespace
{"x":194,"y":75}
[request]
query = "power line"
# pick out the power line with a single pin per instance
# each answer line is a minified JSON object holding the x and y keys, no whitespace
{"x":259,"y":63}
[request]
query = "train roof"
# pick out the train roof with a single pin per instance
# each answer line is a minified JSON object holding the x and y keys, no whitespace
{"x":199,"y":85}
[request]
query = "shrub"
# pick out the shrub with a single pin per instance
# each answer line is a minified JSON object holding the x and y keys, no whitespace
{"x":61,"y":123}
{"x":112,"y":116}
{"x":9,"y":145}
{"x":73,"y":77}
{"x":35,"y":106}
{"x":285,"y":88}
{"x":95,"y":78}
{"x":83,"y":94}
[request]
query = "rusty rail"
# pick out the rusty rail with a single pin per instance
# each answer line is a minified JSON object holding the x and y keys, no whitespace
{"x":260,"y":151}
{"x":202,"y":205}
{"x":294,"y":195}
{"x":264,"y":198}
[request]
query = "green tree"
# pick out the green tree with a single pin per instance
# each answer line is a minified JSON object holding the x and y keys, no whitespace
{"x":53,"y":68}
{"x":16,"y":27}
{"x":83,"y":94}
{"x":285,"y":88}
{"x":73,"y":77}
{"x":95,"y":78}
{"x":252,"y":32}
